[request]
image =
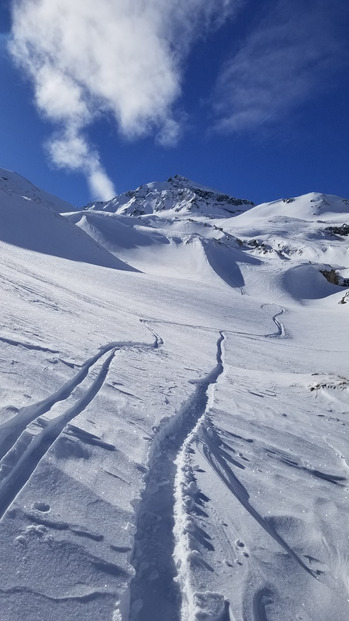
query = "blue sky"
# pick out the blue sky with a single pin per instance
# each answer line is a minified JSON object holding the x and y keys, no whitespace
{"x":247,"y":97}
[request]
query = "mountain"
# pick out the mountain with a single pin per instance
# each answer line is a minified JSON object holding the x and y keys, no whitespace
{"x":177,"y":195}
{"x":171,"y":228}
{"x":174,"y":376}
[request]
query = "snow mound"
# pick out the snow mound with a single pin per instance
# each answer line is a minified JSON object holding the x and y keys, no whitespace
{"x":306,"y":282}
{"x":181,"y":253}
{"x":116,"y":232}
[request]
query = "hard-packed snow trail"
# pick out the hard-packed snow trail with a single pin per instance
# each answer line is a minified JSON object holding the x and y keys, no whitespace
{"x":155,"y":596}
{"x":187,"y":497}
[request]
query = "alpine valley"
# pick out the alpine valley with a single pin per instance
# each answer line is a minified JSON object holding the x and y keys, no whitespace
{"x":174,"y":378}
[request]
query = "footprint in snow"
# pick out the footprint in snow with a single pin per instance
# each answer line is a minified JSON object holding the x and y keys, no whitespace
{"x":240,"y":544}
{"x":41,"y":506}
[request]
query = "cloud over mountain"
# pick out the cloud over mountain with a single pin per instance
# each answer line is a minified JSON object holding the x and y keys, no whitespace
{"x":117,"y":58}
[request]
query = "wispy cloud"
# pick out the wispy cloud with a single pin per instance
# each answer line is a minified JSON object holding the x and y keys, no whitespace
{"x":288,"y":57}
{"x":125,"y":58}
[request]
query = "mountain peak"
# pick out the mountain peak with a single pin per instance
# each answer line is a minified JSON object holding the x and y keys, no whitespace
{"x":179,"y":179}
{"x":178,"y":196}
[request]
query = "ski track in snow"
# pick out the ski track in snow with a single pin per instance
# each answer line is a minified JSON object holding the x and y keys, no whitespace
{"x":155,"y":595}
{"x":175,"y":537}
{"x":27,"y":437}
{"x":280,"y":326}
{"x":188,"y":498}
{"x":187,"y":495}
{"x":12,"y":429}
{"x":21,"y":460}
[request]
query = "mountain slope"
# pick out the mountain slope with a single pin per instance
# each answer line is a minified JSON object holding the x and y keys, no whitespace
{"x":14,"y":184}
{"x":33,"y":223}
{"x":173,"y":440}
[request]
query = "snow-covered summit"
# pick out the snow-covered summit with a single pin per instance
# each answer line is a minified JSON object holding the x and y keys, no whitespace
{"x":177,"y":195}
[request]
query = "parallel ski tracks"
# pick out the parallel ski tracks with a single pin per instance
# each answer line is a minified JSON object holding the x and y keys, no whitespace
{"x":28,"y":436}
{"x":22,"y":459}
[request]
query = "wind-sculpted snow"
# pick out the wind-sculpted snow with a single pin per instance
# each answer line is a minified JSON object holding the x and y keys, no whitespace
{"x":173,"y":431}
{"x":28,"y":223}
{"x":223,"y":526}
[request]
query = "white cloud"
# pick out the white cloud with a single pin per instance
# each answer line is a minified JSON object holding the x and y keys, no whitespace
{"x":286,"y":58}
{"x":69,"y":149}
{"x":122,"y":57}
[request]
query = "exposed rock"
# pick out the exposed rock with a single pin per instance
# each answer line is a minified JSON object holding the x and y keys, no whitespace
{"x":334,"y":278}
{"x":342,"y":230}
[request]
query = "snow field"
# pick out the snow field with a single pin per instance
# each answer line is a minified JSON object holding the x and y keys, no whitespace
{"x":174,"y":412}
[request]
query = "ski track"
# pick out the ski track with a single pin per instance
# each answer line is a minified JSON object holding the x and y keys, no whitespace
{"x":12,"y":429}
{"x":280,"y":326}
{"x":20,"y":462}
{"x":158,"y":340}
{"x":28,"y":436}
{"x":161,"y":532}
{"x":155,"y":595}
{"x":188,"y":498}
{"x":162,"y":559}
{"x":248,"y":335}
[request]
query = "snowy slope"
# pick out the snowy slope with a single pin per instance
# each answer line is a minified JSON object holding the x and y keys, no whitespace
{"x":29,"y":223}
{"x":14,"y":184}
{"x":174,"y":412}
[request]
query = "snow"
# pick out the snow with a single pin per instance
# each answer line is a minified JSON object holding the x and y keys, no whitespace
{"x":176,"y":195}
{"x":14,"y":184}
{"x":174,"y":411}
